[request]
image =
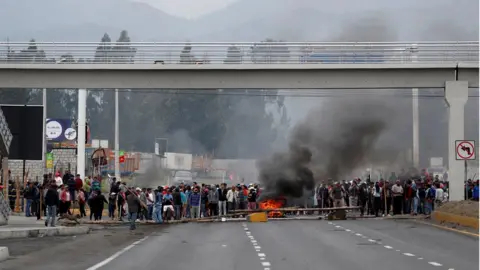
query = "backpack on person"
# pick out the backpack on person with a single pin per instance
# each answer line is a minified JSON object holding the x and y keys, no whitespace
{"x":337,"y":193}
{"x":431,"y":193}
{"x":92,"y":195}
{"x":422,"y":193}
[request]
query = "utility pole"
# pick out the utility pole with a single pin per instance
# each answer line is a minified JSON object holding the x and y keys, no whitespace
{"x":117,"y":139}
{"x":415,"y":114}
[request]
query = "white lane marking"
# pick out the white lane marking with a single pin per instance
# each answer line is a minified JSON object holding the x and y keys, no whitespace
{"x":257,"y":247}
{"x":114,"y":256}
{"x":358,"y":234}
{"x":246,"y":229}
{"x":387,"y":247}
{"x":371,"y":240}
{"x":248,"y":233}
{"x":347,"y":230}
{"x":224,"y":245}
{"x":420,"y":258}
{"x":254,"y":244}
{"x":330,"y":223}
{"x":261,"y":254}
{"x":397,"y":250}
{"x":254,"y":241}
{"x":409,"y":254}
{"x":266,"y":264}
{"x":338,"y":226}
{"x":435,"y":263}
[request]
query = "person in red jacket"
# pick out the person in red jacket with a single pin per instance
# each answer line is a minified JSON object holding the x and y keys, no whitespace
{"x":78,"y":182}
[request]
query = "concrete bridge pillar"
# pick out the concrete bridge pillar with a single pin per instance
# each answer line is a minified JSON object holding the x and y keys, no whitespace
{"x":82,"y":115}
{"x":456,"y":95}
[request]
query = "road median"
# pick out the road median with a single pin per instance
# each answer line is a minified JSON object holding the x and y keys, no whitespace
{"x":26,"y":232}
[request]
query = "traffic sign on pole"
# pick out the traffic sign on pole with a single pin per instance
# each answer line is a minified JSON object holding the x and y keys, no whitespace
{"x":465,"y":150}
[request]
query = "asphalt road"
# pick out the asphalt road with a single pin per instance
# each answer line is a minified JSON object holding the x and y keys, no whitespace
{"x":282,"y":245}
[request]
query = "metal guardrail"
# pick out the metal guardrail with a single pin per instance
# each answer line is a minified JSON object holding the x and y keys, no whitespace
{"x":238,"y":53}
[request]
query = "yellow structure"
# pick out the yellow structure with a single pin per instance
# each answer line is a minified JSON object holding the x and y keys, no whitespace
{"x":257,"y":217}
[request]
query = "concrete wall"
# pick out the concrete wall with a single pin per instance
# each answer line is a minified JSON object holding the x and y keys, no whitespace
{"x":61,"y":159}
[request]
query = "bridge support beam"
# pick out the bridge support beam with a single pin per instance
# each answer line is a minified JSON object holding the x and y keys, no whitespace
{"x":82,"y":116}
{"x":456,"y":95}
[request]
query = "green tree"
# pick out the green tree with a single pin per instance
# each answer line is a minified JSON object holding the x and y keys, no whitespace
{"x":122,"y":52}
{"x":234,"y":55}
{"x":103,"y":50}
{"x":186,"y":56}
{"x":269,"y":51}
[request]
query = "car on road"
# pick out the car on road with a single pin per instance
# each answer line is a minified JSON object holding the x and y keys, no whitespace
{"x":182,"y":177}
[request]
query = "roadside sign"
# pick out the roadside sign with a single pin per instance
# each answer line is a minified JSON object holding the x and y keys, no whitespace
{"x":465,"y":149}
{"x":49,"y":160}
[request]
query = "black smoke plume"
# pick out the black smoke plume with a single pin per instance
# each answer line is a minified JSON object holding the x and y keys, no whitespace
{"x":329,"y":144}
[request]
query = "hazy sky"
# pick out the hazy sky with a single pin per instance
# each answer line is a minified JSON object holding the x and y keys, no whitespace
{"x":188,"y":8}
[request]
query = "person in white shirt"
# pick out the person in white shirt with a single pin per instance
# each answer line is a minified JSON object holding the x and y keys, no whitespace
{"x":439,"y":195}
{"x":232,"y":198}
{"x":150,"y":202}
{"x":58,"y":179}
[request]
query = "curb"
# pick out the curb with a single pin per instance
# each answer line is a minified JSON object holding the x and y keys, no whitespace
{"x":42,"y":232}
{"x":469,"y":222}
{"x":4,"y":253}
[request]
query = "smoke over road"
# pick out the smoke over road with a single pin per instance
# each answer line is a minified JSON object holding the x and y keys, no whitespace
{"x":329,"y":143}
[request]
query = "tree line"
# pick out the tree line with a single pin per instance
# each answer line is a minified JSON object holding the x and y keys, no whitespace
{"x":229,"y":126}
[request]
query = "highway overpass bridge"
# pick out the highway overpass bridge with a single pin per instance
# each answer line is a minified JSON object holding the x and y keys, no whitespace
{"x":449,"y":65}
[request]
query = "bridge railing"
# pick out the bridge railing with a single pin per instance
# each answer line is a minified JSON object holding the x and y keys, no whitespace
{"x":196,"y":53}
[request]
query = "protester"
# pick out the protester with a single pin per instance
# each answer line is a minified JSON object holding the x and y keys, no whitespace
{"x":194,"y":202}
{"x":134,"y":208}
{"x":51,"y":201}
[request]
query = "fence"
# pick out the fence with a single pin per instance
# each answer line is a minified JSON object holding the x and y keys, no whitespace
{"x":238,"y":52}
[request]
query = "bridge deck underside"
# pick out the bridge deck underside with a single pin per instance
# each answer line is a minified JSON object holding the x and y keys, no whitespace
{"x":259,"y":78}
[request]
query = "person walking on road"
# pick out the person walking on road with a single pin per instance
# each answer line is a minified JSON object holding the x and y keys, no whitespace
{"x":134,"y":207}
{"x":51,"y":201}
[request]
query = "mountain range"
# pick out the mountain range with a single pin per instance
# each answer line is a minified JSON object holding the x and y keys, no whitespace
{"x":243,"y":20}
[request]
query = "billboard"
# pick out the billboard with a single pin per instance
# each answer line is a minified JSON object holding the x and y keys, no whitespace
{"x":26,"y":126}
{"x":62,"y":133}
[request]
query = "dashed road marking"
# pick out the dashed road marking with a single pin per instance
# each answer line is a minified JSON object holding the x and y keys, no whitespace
{"x":254,"y":241}
{"x":387,"y":247}
{"x":257,"y":247}
{"x":266,"y":264}
{"x":261,"y":254}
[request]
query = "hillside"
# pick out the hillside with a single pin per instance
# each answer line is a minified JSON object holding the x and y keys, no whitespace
{"x":306,"y":20}
{"x":72,"y":20}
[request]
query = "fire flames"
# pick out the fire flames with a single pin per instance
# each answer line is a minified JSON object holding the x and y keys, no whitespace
{"x":272,"y":204}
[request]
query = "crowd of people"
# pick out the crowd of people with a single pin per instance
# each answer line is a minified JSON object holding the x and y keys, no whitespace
{"x":63,"y":193}
{"x":178,"y":202}
{"x":398,"y":195}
